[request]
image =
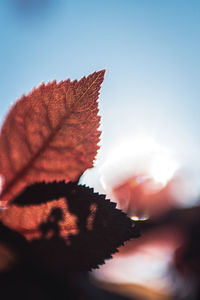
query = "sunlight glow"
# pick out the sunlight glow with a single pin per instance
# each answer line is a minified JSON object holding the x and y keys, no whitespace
{"x":138,"y":218}
{"x":163,"y":168}
{"x":136,"y":156}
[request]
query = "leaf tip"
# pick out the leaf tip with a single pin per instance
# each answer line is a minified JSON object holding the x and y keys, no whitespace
{"x":101,"y":72}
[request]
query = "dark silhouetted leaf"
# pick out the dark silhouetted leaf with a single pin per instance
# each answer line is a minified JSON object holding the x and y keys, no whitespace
{"x":74,"y":230}
{"x":50,"y":134}
{"x":27,"y":279}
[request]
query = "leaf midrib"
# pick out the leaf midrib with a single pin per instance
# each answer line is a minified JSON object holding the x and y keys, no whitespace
{"x":20,"y":174}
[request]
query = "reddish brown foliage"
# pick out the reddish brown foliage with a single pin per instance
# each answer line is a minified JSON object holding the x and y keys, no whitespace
{"x":50,"y":134}
{"x":29,"y":220}
{"x":72,"y":229}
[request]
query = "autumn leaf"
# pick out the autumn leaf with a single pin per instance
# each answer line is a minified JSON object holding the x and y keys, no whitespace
{"x":50,"y":134}
{"x":68,"y":225}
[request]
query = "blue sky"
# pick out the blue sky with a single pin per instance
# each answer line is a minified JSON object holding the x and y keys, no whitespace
{"x":150,"y":48}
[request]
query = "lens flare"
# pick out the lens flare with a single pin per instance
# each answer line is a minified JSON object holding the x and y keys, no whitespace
{"x":163,"y":168}
{"x":136,"y":156}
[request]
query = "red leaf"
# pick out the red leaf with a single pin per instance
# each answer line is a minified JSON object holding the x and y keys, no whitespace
{"x":50,"y":134}
{"x":26,"y":220}
{"x":73,"y":229}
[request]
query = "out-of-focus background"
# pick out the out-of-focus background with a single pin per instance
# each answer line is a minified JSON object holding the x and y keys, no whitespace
{"x":149,"y":103}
